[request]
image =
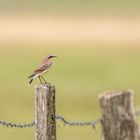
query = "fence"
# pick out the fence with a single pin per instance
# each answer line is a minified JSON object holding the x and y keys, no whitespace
{"x":118,"y":121}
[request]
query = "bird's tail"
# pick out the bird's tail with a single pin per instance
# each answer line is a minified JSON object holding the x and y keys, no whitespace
{"x":30,"y":81}
{"x":31,"y":77}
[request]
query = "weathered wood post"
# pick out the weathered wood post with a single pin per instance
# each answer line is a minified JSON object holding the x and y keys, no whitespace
{"x":45,"y":112}
{"x":118,"y":116}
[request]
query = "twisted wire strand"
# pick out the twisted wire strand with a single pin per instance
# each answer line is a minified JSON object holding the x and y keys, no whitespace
{"x":58,"y":118}
{"x":16,"y":125}
{"x":75,"y":123}
{"x":84,"y":123}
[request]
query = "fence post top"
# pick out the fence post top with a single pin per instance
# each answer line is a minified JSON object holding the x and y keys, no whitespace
{"x":45,"y":86}
{"x":115,"y":93}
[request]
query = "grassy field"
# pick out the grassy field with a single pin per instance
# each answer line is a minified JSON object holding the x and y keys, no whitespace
{"x":80,"y":74}
{"x":70,"y":5}
{"x":82,"y":70}
{"x":73,"y":2}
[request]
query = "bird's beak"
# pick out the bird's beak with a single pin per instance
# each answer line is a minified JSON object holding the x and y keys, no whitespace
{"x":54,"y":56}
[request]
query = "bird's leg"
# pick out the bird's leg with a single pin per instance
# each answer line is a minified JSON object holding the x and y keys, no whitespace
{"x":44,"y":79}
{"x":40,"y":79}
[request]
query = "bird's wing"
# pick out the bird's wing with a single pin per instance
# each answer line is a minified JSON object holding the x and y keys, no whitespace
{"x":42,"y":68}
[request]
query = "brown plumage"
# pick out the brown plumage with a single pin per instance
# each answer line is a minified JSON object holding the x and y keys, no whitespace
{"x":42,"y":69}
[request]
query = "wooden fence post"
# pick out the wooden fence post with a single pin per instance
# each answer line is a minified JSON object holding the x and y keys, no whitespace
{"x":45,"y":112}
{"x":118,"y":116}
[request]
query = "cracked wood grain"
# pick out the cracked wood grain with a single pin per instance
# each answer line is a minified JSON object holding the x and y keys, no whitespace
{"x":45,"y":112}
{"x":118,"y":116}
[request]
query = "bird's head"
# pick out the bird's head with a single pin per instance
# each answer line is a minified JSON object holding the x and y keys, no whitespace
{"x":51,"y":56}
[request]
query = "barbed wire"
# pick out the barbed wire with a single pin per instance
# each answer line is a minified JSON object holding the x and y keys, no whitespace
{"x":75,"y":123}
{"x":58,"y":118}
{"x":16,"y":125}
{"x":92,"y":123}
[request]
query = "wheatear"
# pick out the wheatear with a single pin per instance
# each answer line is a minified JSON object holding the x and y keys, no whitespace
{"x":42,"y":69}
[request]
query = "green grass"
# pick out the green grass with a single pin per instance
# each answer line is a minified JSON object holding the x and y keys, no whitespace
{"x":70,"y":5}
{"x":72,"y":2}
{"x":80,"y":74}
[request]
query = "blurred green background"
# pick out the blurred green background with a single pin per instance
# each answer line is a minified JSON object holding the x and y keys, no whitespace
{"x":97,"y":43}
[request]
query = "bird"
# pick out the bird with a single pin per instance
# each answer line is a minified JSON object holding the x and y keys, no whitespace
{"x":42,"y":69}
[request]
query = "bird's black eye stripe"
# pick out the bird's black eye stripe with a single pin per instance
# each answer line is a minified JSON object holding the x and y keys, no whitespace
{"x":50,"y":56}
